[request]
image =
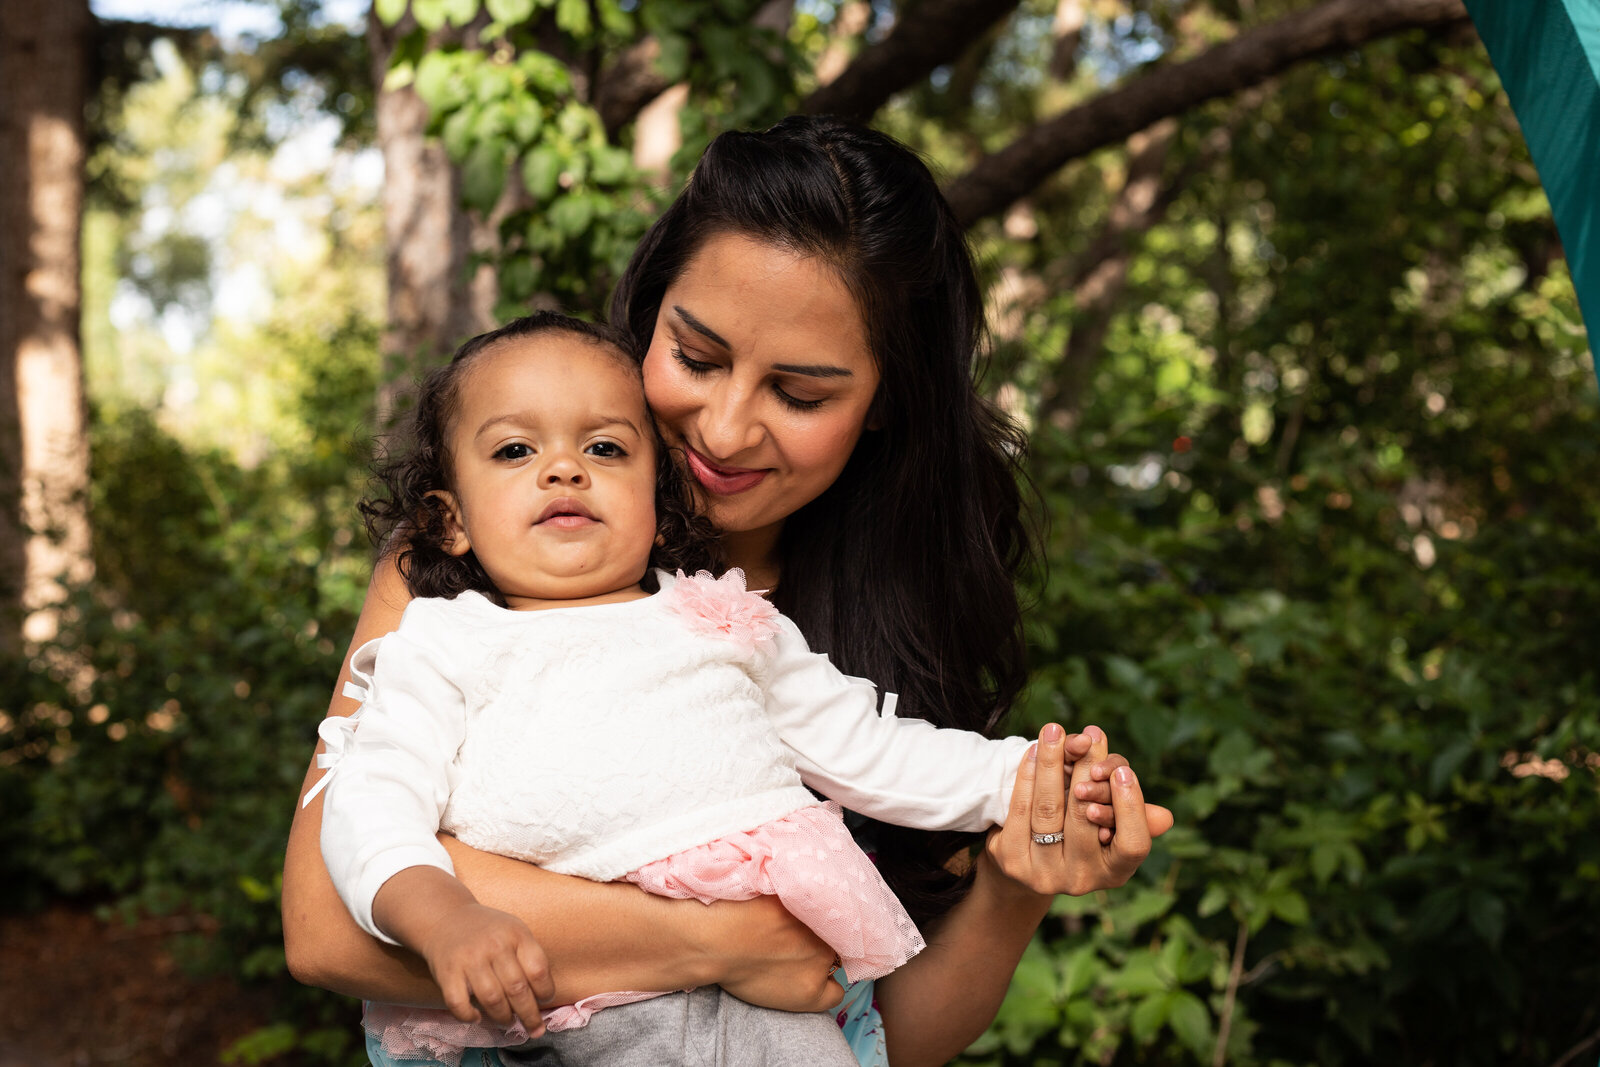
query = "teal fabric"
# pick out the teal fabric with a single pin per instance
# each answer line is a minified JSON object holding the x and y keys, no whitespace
{"x":858,"y":1017}
{"x":1547,"y":53}
{"x":472,"y":1057}
{"x":1585,"y":18}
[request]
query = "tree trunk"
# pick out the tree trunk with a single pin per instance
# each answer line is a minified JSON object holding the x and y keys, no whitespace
{"x":44,"y":449}
{"x":437,"y":297}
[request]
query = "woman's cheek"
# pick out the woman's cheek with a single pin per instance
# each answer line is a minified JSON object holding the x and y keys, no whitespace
{"x":665,"y":394}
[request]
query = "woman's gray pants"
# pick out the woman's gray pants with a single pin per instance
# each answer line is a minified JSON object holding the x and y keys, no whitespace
{"x":701,"y":1028}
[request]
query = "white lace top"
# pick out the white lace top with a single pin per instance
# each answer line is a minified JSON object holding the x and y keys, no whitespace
{"x":594,"y":740}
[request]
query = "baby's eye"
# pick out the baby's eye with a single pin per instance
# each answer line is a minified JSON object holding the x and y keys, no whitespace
{"x":514,"y":450}
{"x":606,"y":450}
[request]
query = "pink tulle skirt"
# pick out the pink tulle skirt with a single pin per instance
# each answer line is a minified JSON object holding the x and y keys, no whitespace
{"x":807,"y":859}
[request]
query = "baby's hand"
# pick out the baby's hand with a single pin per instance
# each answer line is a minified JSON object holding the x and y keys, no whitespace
{"x":1096,"y":791}
{"x":490,"y":957}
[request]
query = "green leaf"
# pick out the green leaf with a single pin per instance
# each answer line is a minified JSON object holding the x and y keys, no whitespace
{"x":261,"y":1045}
{"x":1216,"y":897}
{"x":545,"y":73}
{"x":611,"y":165}
{"x":572,"y":16}
{"x":1079,"y":971}
{"x":430,"y":14}
{"x":541,"y":172}
{"x":527,"y":121}
{"x":1191,"y":1021}
{"x":461,"y":12}
{"x":457,"y":135}
{"x":1325,"y":858}
{"x":1291,"y":907}
{"x":672,"y":62}
{"x":1139,"y":976}
{"x":483,"y":175}
{"x":389,"y":12}
{"x":571,"y":215}
{"x":1445,"y":765}
{"x":1487,"y":915}
{"x":510,"y":12}
{"x":439,"y":83}
{"x":1148,"y":1016}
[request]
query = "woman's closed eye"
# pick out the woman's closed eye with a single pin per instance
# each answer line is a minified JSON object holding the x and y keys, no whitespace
{"x":700,"y":368}
{"x":696,"y":367}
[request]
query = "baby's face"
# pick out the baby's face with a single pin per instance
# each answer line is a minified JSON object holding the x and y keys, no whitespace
{"x":555,"y":470}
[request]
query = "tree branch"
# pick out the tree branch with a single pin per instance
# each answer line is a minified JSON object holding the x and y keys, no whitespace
{"x":999,"y":179}
{"x":933,"y":33}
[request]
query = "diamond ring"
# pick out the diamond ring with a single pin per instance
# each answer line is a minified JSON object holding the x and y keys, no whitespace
{"x":1049,"y":839}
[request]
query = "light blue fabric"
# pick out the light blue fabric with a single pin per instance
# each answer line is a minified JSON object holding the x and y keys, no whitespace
{"x":472,"y":1057}
{"x":862,"y":1025}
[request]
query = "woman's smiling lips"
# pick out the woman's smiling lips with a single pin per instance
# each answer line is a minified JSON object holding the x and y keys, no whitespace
{"x":723,"y":481}
{"x":565,"y":513}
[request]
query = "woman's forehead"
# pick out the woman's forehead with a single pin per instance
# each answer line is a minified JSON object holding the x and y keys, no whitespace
{"x":746,"y":294}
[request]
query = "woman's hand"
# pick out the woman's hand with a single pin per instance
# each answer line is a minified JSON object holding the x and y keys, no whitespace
{"x":786,"y":966}
{"x":1087,"y":856}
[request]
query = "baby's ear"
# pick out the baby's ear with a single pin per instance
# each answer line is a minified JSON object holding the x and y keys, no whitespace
{"x":456,"y":541}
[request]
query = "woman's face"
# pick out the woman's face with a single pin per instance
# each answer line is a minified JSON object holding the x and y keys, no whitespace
{"x":759,"y":369}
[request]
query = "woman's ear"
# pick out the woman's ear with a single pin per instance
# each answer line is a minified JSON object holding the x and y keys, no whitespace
{"x":456,"y":541}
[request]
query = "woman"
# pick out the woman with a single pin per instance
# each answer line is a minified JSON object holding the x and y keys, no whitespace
{"x":809,"y":318}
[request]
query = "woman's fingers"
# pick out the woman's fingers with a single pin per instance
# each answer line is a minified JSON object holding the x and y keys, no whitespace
{"x":1049,"y":809}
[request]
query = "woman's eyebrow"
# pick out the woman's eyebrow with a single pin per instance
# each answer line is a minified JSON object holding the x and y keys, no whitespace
{"x":815,"y":370}
{"x":699,"y":327}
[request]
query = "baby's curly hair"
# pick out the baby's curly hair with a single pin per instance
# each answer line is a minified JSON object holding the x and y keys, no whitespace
{"x":404,"y":517}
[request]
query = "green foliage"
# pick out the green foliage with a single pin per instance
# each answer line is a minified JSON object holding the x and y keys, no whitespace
{"x":511,"y":109}
{"x":150,"y":756}
{"x":1324,"y":568}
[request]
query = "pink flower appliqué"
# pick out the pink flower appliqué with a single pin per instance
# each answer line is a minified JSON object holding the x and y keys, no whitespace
{"x":722,"y":607}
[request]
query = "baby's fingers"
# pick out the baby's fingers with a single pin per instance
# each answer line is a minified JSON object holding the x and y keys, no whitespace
{"x":513,"y":975}
{"x":489,"y":993}
{"x":458,"y":997}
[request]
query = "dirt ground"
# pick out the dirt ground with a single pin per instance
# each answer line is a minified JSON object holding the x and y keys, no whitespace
{"x":76,"y":992}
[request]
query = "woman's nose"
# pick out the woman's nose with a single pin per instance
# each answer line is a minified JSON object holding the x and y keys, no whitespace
{"x":728,"y":423}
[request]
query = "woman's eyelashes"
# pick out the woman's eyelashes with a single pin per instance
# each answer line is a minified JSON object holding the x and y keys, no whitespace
{"x":699,"y":368}
{"x":696,"y":367}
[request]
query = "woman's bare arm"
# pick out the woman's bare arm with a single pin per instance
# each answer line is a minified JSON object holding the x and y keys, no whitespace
{"x":597,"y":937}
{"x":942,"y":1000}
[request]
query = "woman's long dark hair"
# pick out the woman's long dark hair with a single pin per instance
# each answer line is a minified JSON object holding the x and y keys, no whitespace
{"x":410,"y":475}
{"x":904,"y":569}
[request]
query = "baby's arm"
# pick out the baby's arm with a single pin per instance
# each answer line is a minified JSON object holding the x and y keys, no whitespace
{"x":476,"y":954}
{"x":385,"y":799}
{"x":898,"y":770}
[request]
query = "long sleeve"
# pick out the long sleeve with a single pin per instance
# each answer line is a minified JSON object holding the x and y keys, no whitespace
{"x":389,"y":789}
{"x":903,"y":771}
